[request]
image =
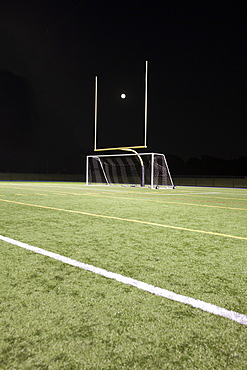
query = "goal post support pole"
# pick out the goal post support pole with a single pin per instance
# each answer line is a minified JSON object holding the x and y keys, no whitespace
{"x":141,"y":162}
{"x":142,"y":176}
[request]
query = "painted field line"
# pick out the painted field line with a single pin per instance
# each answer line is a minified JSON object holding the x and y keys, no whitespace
{"x":126,"y":220}
{"x":147,"y":200}
{"x":159,"y":201}
{"x":208,"y":307}
{"x":137,"y":198}
{"x":151,"y":193}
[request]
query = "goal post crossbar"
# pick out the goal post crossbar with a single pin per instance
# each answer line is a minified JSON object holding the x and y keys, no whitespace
{"x":121,"y":148}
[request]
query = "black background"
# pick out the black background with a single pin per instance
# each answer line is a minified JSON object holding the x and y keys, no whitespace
{"x":50,"y":52}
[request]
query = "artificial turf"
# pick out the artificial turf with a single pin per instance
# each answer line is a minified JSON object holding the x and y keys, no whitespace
{"x":191,"y":241}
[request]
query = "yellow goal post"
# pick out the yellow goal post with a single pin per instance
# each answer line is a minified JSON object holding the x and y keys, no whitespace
{"x":130,"y":147}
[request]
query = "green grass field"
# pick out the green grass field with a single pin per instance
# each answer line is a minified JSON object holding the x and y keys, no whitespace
{"x":191,"y":241}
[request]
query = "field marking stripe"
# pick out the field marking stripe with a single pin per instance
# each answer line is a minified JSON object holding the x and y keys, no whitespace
{"x":161,"y":201}
{"x":137,"y":198}
{"x":154,"y":193}
{"x":126,"y":219}
{"x":213,"y":197}
{"x":152,"y":200}
{"x":208,"y":307}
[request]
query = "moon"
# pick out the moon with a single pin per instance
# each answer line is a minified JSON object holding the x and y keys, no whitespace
{"x":123,"y":96}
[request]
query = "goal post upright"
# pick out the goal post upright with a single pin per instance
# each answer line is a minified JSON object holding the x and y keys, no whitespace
{"x":95,"y":112}
{"x":146,"y":105}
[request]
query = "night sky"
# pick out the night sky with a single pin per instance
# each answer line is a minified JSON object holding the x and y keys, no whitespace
{"x":51,"y":51}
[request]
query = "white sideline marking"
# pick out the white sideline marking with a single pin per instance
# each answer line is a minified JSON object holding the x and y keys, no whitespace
{"x":208,"y":307}
{"x":114,"y":189}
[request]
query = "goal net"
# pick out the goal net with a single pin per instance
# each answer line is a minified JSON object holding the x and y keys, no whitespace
{"x":148,"y":169}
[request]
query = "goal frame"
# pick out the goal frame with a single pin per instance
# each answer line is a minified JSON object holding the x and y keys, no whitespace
{"x":151,"y":185}
{"x":144,"y":144}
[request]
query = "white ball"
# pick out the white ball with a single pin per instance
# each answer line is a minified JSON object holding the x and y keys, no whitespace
{"x":123,"y":96}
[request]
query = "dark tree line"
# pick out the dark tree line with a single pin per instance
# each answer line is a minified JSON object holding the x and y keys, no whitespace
{"x":207,"y":166}
{"x":73,"y":162}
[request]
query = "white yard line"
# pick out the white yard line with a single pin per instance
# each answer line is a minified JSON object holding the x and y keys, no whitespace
{"x":208,"y":307}
{"x":82,"y":186}
{"x":115,"y":189}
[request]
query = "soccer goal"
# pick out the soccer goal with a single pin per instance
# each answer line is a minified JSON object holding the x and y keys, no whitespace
{"x":130,"y":169}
